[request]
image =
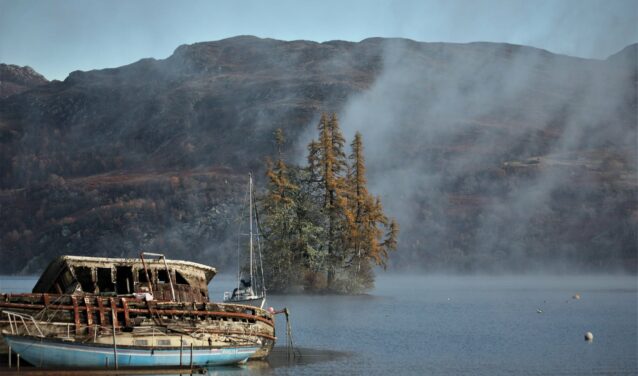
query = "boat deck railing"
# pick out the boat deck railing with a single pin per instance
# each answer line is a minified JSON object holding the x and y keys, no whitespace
{"x":15,"y":319}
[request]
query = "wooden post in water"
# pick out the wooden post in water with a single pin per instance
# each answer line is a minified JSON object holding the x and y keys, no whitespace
{"x":18,"y":363}
{"x":114,"y":344}
{"x":191,"y":357}
{"x":10,"y":356}
{"x":181,"y":349}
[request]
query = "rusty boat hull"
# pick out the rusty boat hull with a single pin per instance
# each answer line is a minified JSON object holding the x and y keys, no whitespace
{"x":85,"y":317}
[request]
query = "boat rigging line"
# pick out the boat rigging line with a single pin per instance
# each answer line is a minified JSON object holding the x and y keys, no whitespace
{"x":290,"y":347}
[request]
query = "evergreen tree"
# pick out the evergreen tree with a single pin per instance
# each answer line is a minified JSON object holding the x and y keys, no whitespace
{"x":359,"y":195}
{"x":365,"y":236}
{"x":327,"y":163}
{"x":337,"y":144}
{"x":292,"y":236}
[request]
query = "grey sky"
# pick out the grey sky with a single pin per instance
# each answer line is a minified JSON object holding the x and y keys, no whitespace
{"x":57,"y":37}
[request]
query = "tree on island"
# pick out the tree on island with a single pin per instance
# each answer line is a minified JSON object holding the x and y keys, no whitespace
{"x":324,"y":231}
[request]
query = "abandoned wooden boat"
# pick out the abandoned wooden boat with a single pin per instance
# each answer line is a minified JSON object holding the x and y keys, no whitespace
{"x":78,"y":298}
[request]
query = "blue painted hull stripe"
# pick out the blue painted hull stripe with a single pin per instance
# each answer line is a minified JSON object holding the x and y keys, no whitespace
{"x":67,"y":354}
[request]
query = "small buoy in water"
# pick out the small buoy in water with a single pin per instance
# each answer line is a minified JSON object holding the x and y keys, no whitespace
{"x":271,"y":310}
{"x":539,"y":310}
{"x":589,"y":337}
{"x":576,"y":296}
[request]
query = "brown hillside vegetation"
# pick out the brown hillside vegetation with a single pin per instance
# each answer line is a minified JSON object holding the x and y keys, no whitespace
{"x":492,"y":156}
{"x":180,"y":212}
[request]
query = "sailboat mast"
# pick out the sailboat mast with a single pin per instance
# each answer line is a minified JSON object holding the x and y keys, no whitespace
{"x":250,"y":211}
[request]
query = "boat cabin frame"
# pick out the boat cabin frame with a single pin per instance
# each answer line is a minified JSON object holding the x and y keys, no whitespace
{"x":170,"y":280}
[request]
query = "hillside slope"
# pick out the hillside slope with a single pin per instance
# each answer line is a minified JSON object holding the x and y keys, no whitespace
{"x":490,"y":155}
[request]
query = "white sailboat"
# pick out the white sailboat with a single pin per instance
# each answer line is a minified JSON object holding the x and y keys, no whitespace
{"x":250,"y":291}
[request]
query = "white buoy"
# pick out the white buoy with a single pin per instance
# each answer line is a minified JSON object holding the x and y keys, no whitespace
{"x":576,"y":297}
{"x":589,"y":337}
{"x":539,"y":310}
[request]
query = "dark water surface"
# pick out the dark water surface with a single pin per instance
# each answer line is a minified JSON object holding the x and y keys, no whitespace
{"x":454,"y":326}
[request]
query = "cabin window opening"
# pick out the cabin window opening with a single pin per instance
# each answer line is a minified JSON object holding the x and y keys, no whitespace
{"x":84,"y":275}
{"x":141,"y":275}
{"x":140,"y":342}
{"x":179,"y":279}
{"x":163,"y":342}
{"x":162,"y":276}
{"x":104,"y":280}
{"x":124,"y":279}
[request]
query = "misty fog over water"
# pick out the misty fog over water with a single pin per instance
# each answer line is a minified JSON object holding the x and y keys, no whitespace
{"x":468,"y":325}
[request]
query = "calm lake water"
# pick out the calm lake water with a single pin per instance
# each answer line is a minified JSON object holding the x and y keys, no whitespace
{"x":454,"y":326}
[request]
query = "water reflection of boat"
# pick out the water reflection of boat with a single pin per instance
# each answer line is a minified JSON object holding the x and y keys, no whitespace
{"x":250,"y":290}
{"x":82,"y":299}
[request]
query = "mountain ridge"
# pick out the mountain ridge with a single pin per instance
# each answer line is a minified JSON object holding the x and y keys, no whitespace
{"x":15,"y":79}
{"x":470,"y":124}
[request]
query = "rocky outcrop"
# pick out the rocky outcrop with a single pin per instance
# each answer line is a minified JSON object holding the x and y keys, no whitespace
{"x":15,"y":79}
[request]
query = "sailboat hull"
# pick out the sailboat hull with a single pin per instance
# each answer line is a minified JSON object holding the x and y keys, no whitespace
{"x":254,"y":302}
{"x":44,"y":352}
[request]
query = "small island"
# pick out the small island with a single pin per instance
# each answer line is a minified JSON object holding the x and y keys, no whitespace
{"x":324,"y":231}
